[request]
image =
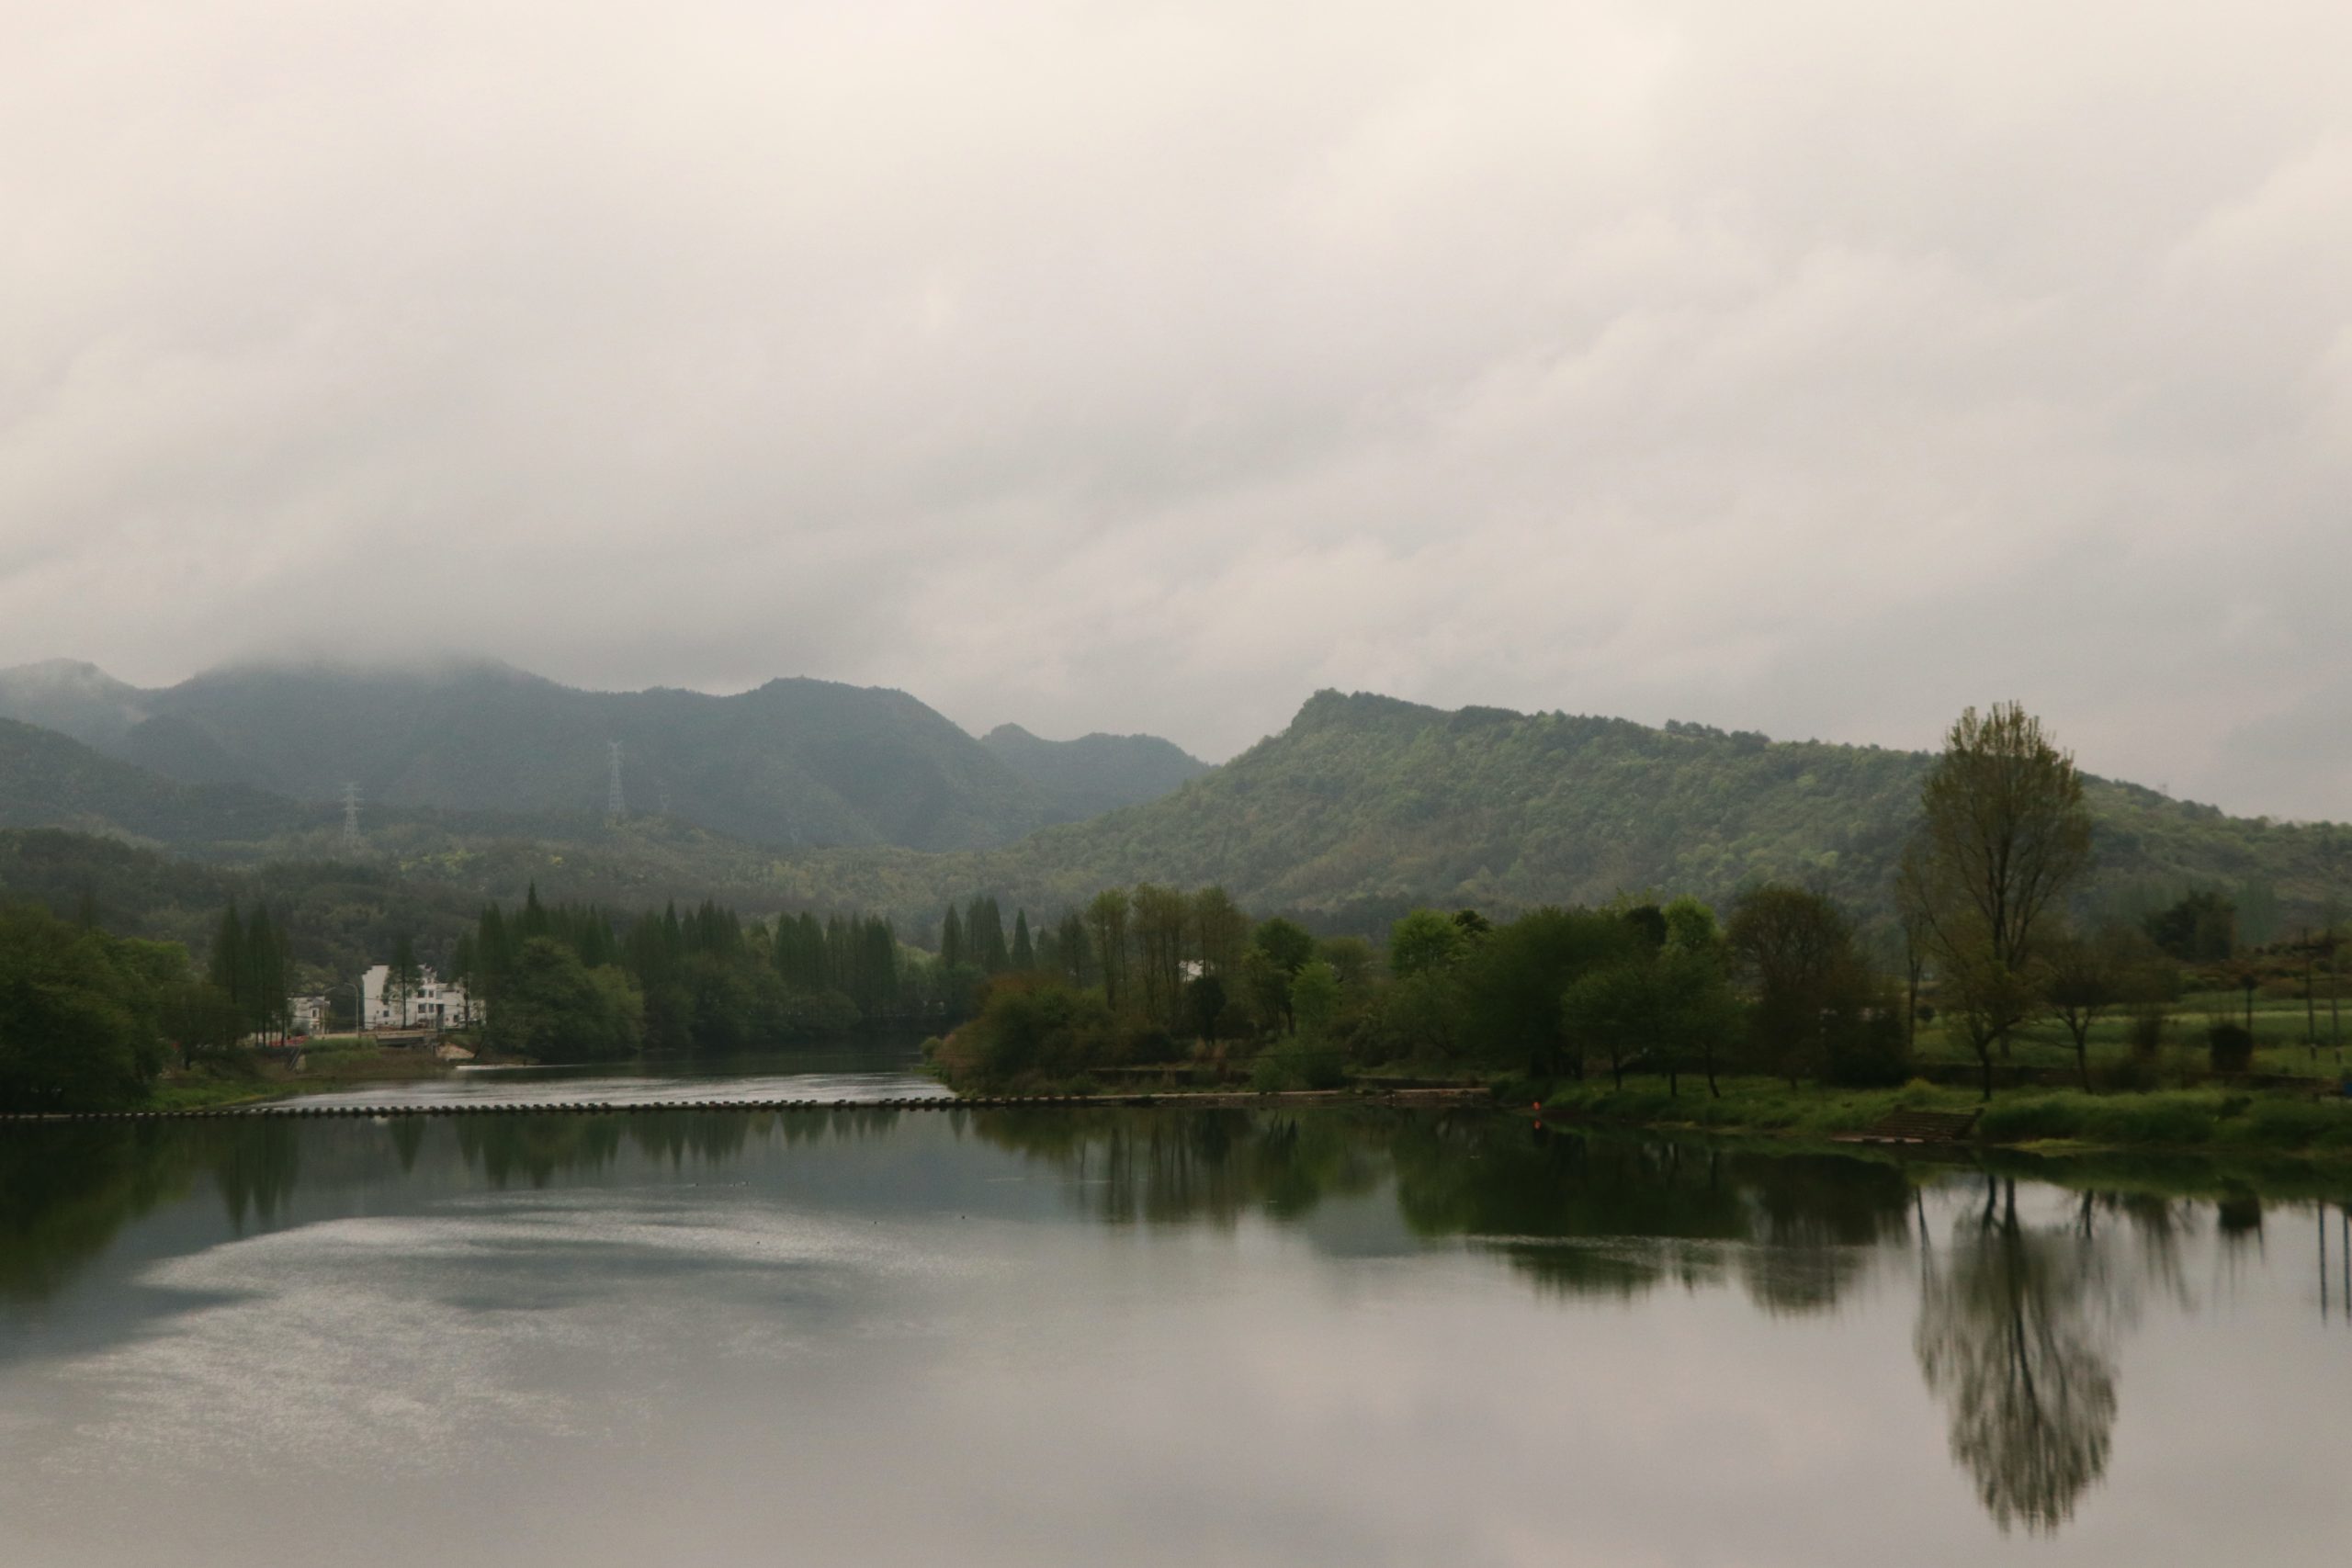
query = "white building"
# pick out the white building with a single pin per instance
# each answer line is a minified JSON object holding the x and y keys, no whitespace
{"x":306,"y":1015}
{"x":431,"y":1003}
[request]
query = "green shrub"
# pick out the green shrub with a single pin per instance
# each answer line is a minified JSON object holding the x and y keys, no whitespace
{"x":1297,"y":1064}
{"x":1032,"y":1030}
{"x":1519,"y":1089}
{"x":2230,"y":1047}
{"x":1869,"y":1053}
{"x":2178,"y":1120}
{"x":2018,"y":1119}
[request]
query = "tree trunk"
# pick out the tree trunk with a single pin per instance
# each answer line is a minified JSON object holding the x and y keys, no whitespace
{"x":2082,"y":1056}
{"x":2311,"y":1002}
{"x":1985,"y":1060}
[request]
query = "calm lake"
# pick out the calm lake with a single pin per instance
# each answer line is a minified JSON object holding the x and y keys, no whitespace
{"x":1146,"y":1336}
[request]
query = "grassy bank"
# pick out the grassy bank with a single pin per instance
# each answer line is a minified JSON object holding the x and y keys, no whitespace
{"x":2195,"y":1120}
{"x":333,"y":1064}
{"x":202,"y":1092}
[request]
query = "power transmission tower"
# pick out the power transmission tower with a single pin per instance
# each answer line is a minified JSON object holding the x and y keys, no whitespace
{"x":351,"y":819}
{"x":613,"y":806}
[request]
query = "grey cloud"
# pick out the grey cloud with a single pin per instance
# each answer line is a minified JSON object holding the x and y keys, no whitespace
{"x":1813,"y":368}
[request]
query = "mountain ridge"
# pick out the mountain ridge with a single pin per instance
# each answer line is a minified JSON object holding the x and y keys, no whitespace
{"x":1364,"y":805}
{"x":1361,"y":807}
{"x":792,"y":762}
{"x":1097,"y":771}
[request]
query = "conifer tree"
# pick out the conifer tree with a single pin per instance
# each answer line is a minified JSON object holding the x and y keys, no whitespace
{"x":228,"y":967}
{"x":984,"y":934}
{"x":264,"y":991}
{"x":951,"y":938}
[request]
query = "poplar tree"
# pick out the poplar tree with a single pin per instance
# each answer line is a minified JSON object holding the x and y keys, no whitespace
{"x":2003,"y":836}
{"x":1106,"y":923}
{"x":1077,"y":962}
{"x":401,"y":977}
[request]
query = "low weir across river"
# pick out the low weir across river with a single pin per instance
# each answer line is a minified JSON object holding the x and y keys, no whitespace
{"x":367,"y":1111}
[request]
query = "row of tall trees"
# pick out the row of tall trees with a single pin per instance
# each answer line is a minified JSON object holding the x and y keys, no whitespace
{"x":251,"y":970}
{"x":856,"y":956}
{"x":1142,"y":947}
{"x":574,"y":979}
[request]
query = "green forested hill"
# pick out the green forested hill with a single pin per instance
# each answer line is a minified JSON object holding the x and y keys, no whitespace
{"x":96,"y":824}
{"x":1096,"y":773}
{"x":48,"y":780}
{"x":420,"y":878}
{"x":795,"y":762}
{"x":1365,"y":806}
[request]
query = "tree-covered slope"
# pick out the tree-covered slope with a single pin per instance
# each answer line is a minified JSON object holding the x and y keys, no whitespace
{"x":48,"y":780}
{"x":1096,"y":773}
{"x":1365,"y":806}
{"x":414,"y":879}
{"x":794,"y":762}
{"x":91,"y":810}
{"x":73,"y":698}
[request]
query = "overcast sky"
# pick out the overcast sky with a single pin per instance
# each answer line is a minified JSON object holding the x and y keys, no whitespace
{"x":1815,"y":367}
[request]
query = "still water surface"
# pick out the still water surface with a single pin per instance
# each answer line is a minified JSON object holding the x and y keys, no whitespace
{"x":1022,"y":1337}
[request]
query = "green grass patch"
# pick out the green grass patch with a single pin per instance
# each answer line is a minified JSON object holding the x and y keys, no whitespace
{"x":202,"y":1093}
{"x":1746,"y":1105}
{"x":2275,"y":1122}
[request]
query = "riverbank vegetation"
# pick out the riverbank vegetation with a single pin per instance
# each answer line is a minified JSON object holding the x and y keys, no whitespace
{"x":1998,"y":968}
{"x":84,"y":1016}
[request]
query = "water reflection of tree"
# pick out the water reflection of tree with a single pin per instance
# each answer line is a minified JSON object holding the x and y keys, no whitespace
{"x":66,"y":1192}
{"x":2012,"y":1337}
{"x":1612,"y":1216}
{"x":536,"y":1149}
{"x":1577,"y":1215}
{"x":1157,"y":1167}
{"x":1816,"y":1221}
{"x":256,"y":1166}
{"x":1597,"y":1215}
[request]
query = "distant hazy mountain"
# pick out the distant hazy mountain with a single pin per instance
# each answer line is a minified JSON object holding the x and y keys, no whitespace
{"x":1096,"y":773}
{"x":795,"y":762}
{"x":73,"y":698}
{"x":1366,"y":806}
